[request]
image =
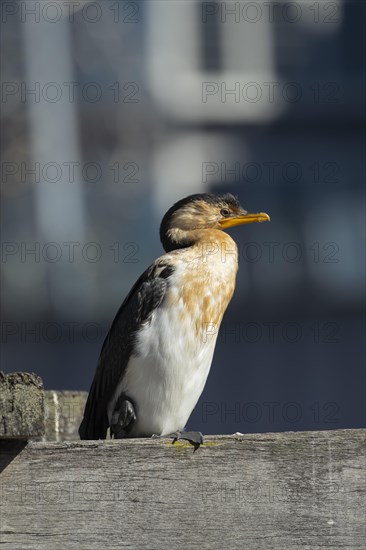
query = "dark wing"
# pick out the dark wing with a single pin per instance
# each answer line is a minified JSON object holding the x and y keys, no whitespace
{"x":146,"y":295}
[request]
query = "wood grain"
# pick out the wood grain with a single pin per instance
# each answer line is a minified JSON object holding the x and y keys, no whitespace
{"x":287,"y":490}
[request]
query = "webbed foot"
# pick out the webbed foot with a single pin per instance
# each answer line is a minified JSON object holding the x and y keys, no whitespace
{"x":123,"y":417}
{"x":195,"y":438}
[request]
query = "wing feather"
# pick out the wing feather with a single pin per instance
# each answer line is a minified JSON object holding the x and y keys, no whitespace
{"x":145,"y":296}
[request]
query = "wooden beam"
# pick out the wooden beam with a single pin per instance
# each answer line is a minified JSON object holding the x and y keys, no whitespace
{"x":29,"y":412}
{"x":64,"y":411}
{"x":277,"y":491}
{"x":21,"y":405}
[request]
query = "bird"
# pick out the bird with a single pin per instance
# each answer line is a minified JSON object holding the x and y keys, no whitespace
{"x":156,"y":357}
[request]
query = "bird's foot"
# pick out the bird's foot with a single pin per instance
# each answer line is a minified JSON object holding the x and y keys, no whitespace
{"x":123,"y":417}
{"x":195,"y":438}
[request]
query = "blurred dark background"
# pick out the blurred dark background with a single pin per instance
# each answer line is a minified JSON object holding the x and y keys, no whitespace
{"x":111,"y":111}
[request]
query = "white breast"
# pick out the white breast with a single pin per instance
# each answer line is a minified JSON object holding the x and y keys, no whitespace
{"x":166,"y":379}
{"x":167,"y":373}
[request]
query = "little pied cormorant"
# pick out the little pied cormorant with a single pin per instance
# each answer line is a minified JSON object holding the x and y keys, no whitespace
{"x":158,"y":352}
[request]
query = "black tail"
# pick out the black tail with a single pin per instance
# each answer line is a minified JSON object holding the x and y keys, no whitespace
{"x":95,"y":422}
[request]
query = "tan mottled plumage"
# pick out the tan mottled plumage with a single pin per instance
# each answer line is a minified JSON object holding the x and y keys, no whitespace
{"x":209,"y":280}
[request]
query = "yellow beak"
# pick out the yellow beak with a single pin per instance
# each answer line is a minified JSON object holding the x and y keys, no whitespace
{"x":245,"y":218}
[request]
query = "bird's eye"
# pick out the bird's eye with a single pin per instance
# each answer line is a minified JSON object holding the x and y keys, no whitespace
{"x":225,"y":212}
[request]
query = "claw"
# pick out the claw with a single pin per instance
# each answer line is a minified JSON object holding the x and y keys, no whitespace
{"x":195,"y":438}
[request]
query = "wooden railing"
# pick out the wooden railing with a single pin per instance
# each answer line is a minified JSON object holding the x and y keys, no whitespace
{"x":275,"y":490}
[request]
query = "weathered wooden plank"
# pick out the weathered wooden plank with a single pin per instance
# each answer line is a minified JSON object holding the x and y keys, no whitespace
{"x":288,"y":490}
{"x":63,"y":413}
{"x":21,"y":405}
{"x":28,"y":412}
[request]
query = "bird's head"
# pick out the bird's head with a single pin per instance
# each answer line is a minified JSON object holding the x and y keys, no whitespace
{"x":189,"y":216}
